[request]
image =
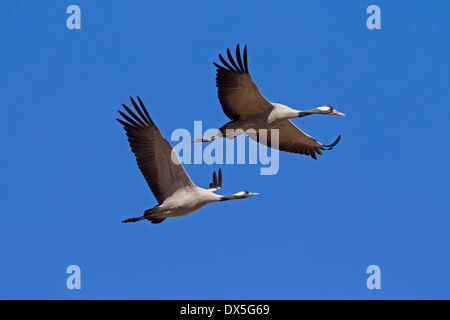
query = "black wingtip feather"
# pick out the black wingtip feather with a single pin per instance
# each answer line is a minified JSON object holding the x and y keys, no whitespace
{"x":139,"y":111}
{"x":142,"y":120}
{"x":145,"y":110}
{"x":238,"y":57}
{"x":230,"y":57}
{"x":215,"y":179}
{"x":239,"y":67}
{"x":131,"y":113}
{"x":226,"y":63}
{"x":245,"y":58}
{"x":131,"y":121}
{"x":125,"y":124}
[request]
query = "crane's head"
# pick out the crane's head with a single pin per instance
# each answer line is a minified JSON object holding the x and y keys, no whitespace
{"x":329,"y":110}
{"x":246,"y":194}
{"x":240,"y":195}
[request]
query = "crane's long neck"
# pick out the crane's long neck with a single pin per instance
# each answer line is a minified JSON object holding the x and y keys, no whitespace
{"x":308,"y":112}
{"x":239,"y":195}
{"x":281,"y":111}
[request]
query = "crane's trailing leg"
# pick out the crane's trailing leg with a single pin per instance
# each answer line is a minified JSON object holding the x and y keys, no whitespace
{"x":149,"y":215}
{"x":133,"y":219}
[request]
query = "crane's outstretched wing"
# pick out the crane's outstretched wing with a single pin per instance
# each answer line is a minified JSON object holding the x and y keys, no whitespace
{"x":292,"y":139}
{"x":155,"y":157}
{"x":238,"y":95}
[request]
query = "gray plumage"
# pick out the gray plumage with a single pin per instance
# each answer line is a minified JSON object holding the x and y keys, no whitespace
{"x":248,"y":109}
{"x":172,"y":187}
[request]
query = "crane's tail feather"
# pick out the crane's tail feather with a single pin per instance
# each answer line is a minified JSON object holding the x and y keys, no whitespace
{"x":155,"y":220}
{"x":149,"y":215}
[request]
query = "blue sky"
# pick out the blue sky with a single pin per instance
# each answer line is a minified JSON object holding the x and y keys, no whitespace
{"x":68,"y":176}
